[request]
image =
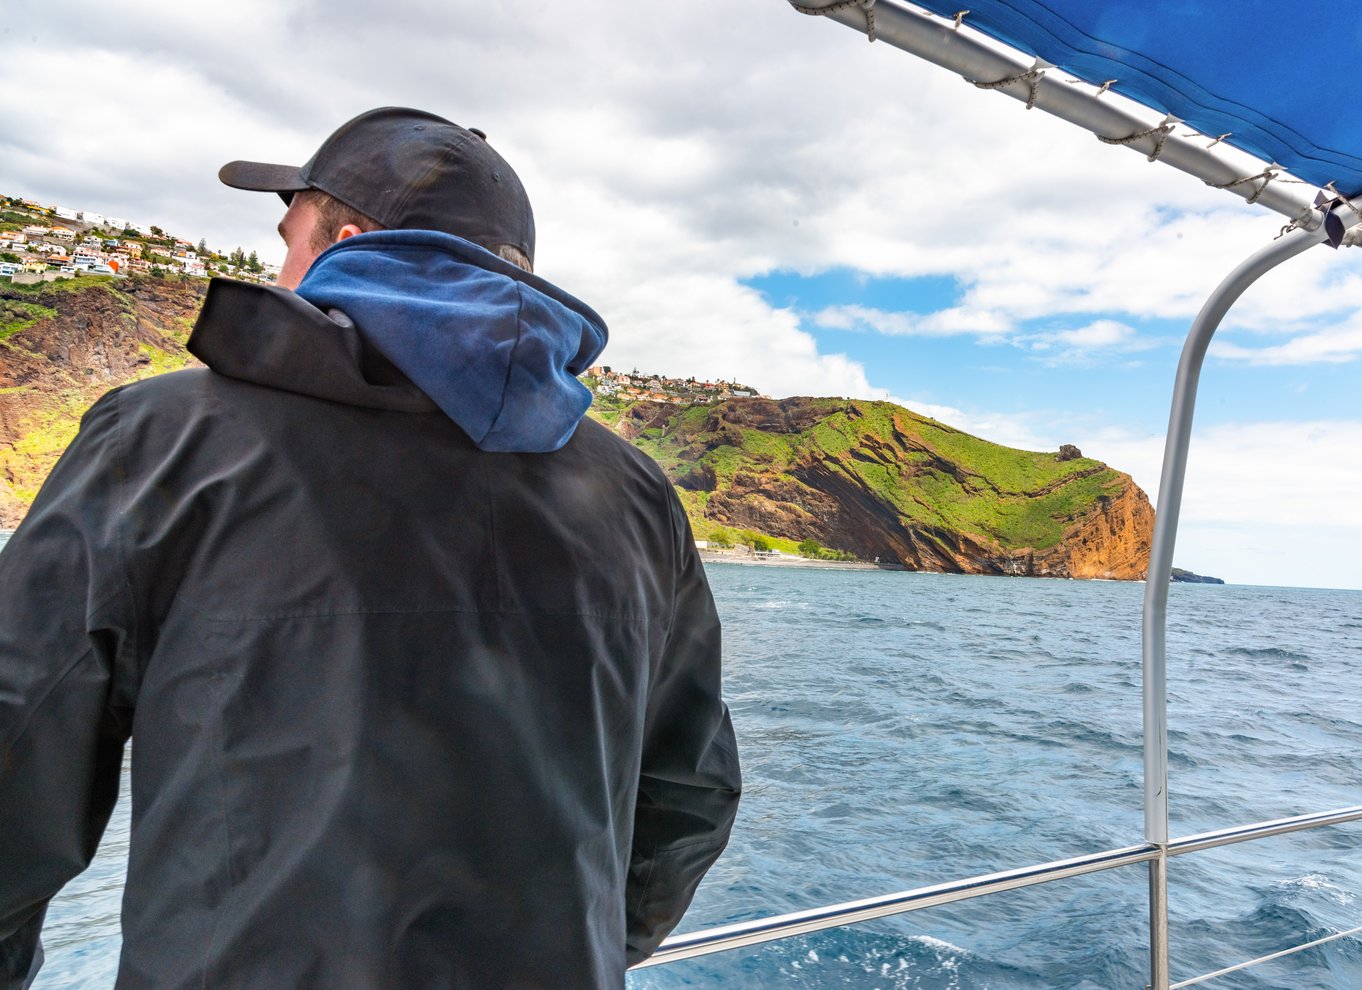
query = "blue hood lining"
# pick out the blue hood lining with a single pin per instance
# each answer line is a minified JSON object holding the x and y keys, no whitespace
{"x":496,"y":348}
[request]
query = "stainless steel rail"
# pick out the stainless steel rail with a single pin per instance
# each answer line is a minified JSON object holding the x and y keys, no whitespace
{"x":964,"y":52}
{"x":1247,"y":833}
{"x":944,"y":44}
{"x":1154,"y":623}
{"x":746,"y":933}
{"x":1262,"y":959}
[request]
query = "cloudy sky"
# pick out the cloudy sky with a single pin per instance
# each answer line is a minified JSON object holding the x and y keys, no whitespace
{"x":744,"y":192}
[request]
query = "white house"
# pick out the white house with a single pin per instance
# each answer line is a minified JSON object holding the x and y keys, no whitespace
{"x":95,"y":218}
{"x":65,"y":212}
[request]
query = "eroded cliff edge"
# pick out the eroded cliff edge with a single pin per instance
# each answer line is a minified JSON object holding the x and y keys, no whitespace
{"x":64,"y":344}
{"x":869,"y":479}
{"x":883,"y":482}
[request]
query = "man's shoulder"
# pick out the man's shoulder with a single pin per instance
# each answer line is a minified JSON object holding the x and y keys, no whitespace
{"x":598,"y":440}
{"x":149,"y":392}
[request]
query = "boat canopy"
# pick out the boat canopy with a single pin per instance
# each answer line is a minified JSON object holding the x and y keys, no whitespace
{"x":1286,"y":90}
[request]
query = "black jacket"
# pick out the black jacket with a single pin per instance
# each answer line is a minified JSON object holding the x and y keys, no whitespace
{"x":405,"y":713}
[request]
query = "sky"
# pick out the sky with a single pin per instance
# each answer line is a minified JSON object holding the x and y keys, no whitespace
{"x":747,"y":193}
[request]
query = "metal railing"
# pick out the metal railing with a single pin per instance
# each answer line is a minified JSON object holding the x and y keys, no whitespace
{"x":747,"y":933}
{"x":937,"y":42}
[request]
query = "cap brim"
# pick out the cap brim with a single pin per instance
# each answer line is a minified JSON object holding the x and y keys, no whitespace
{"x":262,"y":177}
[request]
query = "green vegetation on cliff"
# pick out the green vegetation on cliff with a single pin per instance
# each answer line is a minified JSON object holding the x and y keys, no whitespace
{"x":63,"y":344}
{"x":819,"y":477}
{"x":16,"y":315}
{"x":868,"y":477}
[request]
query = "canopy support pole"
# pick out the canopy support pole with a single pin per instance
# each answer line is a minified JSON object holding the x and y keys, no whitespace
{"x":1161,"y":569}
{"x":940,"y":41}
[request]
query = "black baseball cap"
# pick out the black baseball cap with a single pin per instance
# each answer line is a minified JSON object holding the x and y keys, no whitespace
{"x":408,"y":169}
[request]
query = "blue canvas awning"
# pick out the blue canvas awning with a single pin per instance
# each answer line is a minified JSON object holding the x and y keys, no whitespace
{"x":1283,"y":80}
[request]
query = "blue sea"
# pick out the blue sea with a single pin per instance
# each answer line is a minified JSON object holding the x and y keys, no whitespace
{"x":904,"y":729}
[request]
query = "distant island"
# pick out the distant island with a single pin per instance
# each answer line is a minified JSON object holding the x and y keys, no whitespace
{"x":1187,"y":577}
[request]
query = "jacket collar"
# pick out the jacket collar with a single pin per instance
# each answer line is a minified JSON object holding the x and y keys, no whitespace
{"x":270,"y":336}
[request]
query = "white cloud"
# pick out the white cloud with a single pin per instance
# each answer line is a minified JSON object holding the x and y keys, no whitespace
{"x":1103,"y":333}
{"x":946,"y":322}
{"x":1335,"y":345}
{"x":1085,"y":345}
{"x":706,"y":143}
{"x":673,"y":155}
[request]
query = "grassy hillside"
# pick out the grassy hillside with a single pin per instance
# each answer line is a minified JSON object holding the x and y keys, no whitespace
{"x":851,"y":478}
{"x":871,"y":478}
{"x":65,"y":343}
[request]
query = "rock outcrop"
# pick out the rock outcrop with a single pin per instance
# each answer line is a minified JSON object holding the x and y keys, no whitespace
{"x":884,"y":483}
{"x":62,"y":345}
{"x":866,"y":478}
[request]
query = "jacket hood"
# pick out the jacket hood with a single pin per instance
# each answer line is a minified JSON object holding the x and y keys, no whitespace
{"x":496,"y":348}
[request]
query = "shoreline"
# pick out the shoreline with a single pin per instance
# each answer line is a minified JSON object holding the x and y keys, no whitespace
{"x":752,"y":560}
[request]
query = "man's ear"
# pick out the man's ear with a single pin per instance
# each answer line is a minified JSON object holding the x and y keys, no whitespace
{"x":349,"y":230}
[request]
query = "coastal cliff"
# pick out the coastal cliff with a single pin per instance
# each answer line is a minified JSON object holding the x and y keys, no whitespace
{"x":850,"y":479}
{"x":67,"y":342}
{"x":882,"y":482}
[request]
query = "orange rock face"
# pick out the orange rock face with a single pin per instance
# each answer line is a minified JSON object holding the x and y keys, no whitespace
{"x":886,"y":484}
{"x":1112,"y":543}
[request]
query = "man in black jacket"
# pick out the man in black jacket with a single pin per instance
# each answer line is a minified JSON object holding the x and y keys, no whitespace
{"x":421,"y":666}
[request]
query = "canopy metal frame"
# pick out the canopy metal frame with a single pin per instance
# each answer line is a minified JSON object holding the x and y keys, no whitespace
{"x":1154,"y":623}
{"x":944,"y":43}
{"x":988,"y":65}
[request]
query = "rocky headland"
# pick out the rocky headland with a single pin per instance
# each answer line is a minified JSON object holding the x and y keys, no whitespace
{"x":885,"y":484}
{"x":854,"y":480}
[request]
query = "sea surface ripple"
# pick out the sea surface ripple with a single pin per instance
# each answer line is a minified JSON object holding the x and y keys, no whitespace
{"x":902,"y":729}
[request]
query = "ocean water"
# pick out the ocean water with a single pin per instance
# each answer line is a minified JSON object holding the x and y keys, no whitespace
{"x":904,"y":729}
